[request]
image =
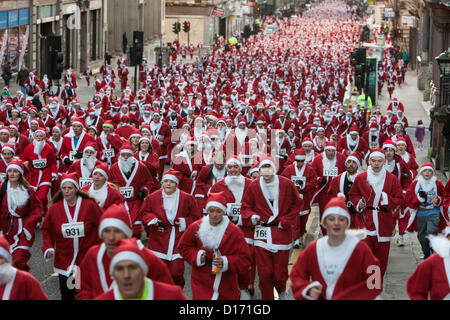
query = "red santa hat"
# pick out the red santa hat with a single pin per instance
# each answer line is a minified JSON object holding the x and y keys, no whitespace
{"x":253,"y":169}
{"x":234,"y":160}
{"x":354,"y":129}
{"x":217,"y":200}
{"x":116,"y":216}
{"x":400,"y":140}
{"x":126,"y":148}
{"x":16,"y":164}
{"x":5,"y":250}
{"x":4,"y":130}
{"x":330,"y":145}
{"x":373,"y":126}
{"x":58,"y":127}
{"x":41,"y":130}
{"x":337,"y":206}
{"x":14,"y":125}
{"x":146,"y":128}
{"x":90,"y":146}
{"x":426,"y":165}
{"x":128,"y":249}
{"x":307,"y":141}
{"x":242,"y":120}
{"x":79,"y":121}
{"x":267,"y":159}
{"x":389,"y":144}
{"x":70,"y":177}
{"x":300,"y":154}
{"x":135,"y":133}
{"x":172,"y":175}
{"x":377,"y":152}
{"x":354,"y":157}
{"x":10,"y":147}
{"x":103,"y":169}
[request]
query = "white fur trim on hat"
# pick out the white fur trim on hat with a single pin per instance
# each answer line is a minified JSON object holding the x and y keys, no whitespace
{"x":9,"y":148}
{"x":267,"y":161}
{"x":300,"y":157}
{"x":215,"y":204}
{"x":90,"y":148}
{"x":126,"y":151}
{"x":128,"y":255}
{"x":234,"y":160}
{"x":170,"y":177}
{"x":388,"y":145}
{"x":6,"y":254}
{"x":100,"y":171}
{"x":70,"y":180}
{"x":307,"y":142}
{"x":377,"y":154}
{"x":336,"y":210}
{"x":116,"y":223}
{"x":424,"y":168}
{"x":354,"y":159}
{"x":78,"y":122}
{"x":330,"y":148}
{"x":15,"y":166}
{"x":42,"y":131}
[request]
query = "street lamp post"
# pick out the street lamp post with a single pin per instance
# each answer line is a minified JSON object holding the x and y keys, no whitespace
{"x":443,"y":61}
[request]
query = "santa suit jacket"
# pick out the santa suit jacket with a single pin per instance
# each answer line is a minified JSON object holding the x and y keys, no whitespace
{"x":140,"y":179}
{"x":183,"y":163}
{"x":307,"y":192}
{"x":234,"y":251}
{"x":221,"y":186}
{"x":309,"y":271}
{"x":402,"y":172}
{"x":413,"y":204}
{"x":278,"y":217}
{"x":22,"y":286}
{"x":21,"y":142}
{"x":76,"y":167}
{"x":164,"y":238}
{"x":44,"y":176}
{"x":317,"y":166}
{"x":163,"y":135}
{"x":19,"y":225}
{"x":377,"y":222}
{"x":113,"y":196}
{"x":156,"y":291}
{"x":70,"y":251}
{"x":431,"y":278}
{"x":151,"y":160}
{"x":114,"y":142}
{"x":68,"y":144}
{"x":412,"y":164}
{"x":361,"y":148}
{"x":95,"y":277}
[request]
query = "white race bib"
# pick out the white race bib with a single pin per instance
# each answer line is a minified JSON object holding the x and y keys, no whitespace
{"x":296,"y":181}
{"x":39,"y":163}
{"x":85,"y":181}
{"x":127,"y":192}
{"x":282,"y":152}
{"x":72,"y":156}
{"x":173,"y":124}
{"x":234,"y":209}
{"x":332,"y":172}
{"x":73,"y":230}
{"x":108,"y":153}
{"x":261,"y":233}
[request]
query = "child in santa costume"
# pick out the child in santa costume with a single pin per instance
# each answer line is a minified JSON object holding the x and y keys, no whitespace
{"x":337,"y":266}
{"x":16,"y":284}
{"x":270,"y":206}
{"x":168,"y":212}
{"x":129,"y":268}
{"x":424,"y":199}
{"x":114,"y":225}
{"x":69,"y":229}
{"x":20,"y":212}
{"x":105,"y":193}
{"x":432,"y":276}
{"x":376,"y":194}
{"x":217,"y":251}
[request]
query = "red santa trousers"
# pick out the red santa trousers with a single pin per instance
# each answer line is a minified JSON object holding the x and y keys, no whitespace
{"x":322,"y":199}
{"x":247,"y":279}
{"x":299,"y":226}
{"x":176,"y":268}
{"x":20,"y":259}
{"x":272,"y":271}
{"x":402,"y":221}
{"x":42,"y":194}
{"x":380,"y":250}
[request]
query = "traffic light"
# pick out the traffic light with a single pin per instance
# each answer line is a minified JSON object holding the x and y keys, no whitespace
{"x":186,"y":26}
{"x":137,"y":50}
{"x":55,"y":57}
{"x":175,"y":27}
{"x":398,"y":33}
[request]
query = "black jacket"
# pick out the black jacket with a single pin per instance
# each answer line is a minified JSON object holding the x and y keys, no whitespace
{"x":22,"y":76}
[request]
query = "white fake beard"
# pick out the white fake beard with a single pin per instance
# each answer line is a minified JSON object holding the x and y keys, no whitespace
{"x":426,"y":185}
{"x":89,"y":162}
{"x":38,"y":146}
{"x":6,"y":273}
{"x":126,"y":164}
{"x":209,"y":235}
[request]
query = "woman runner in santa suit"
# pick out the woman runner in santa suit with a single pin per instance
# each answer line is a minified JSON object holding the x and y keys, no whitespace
{"x":432,"y":276}
{"x":338,"y":266}
{"x":20,"y":212}
{"x":69,"y":229}
{"x":150,"y":158}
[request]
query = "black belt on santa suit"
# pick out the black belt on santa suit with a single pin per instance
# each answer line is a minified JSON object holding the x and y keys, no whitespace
{"x":273,"y":224}
{"x":382,"y":209}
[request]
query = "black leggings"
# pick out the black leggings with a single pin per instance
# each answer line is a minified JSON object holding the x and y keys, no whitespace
{"x":66,"y":293}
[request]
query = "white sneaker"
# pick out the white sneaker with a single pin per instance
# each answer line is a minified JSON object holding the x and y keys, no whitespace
{"x":297,"y":244}
{"x":244,"y":295}
{"x":283,"y":296}
{"x":400,"y":241}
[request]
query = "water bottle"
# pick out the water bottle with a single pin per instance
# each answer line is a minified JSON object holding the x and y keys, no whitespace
{"x":215,"y":268}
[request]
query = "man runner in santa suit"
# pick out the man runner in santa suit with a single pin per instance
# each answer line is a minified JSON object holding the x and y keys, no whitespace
{"x":233,"y":188}
{"x":376,"y":194}
{"x":217,"y":251}
{"x":16,"y":284}
{"x":161,"y":131}
{"x":327,"y":165}
{"x":85,"y":166}
{"x":352,"y":142}
{"x":270,"y":205}
{"x":337,"y":266}
{"x":40,"y":158}
{"x":114,"y":225}
{"x":129,"y":267}
{"x":109,"y":143}
{"x":134,"y":182}
{"x":305,"y":179}
{"x":343,"y":183}
{"x":73,"y":145}
{"x":167,"y":213}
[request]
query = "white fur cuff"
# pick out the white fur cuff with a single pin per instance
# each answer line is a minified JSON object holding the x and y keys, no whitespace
{"x":254,"y":217}
{"x":182,"y":224}
{"x":46,"y":251}
{"x":384,"y":199}
{"x":199,"y":254}
{"x":225,"y":264}
{"x":438,"y":203}
{"x":154,"y":221}
{"x":311,"y":285}
{"x":357,"y":206}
